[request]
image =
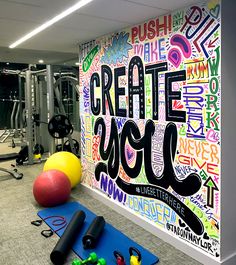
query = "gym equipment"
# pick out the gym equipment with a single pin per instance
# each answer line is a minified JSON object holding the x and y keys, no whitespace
{"x":119,"y":258}
{"x":17,"y":100}
{"x":60,"y":251}
{"x":59,"y":126}
{"x":59,"y":148}
{"x":110,"y":240}
{"x":47,"y":233}
{"x":8,"y":156}
{"x":38,"y":149}
{"x":51,"y":188}
{"x":22,"y":155}
{"x":91,"y":237}
{"x":67,"y":147}
{"x":15,"y":174}
{"x":44,"y":101}
{"x":36,"y":222}
{"x":67,"y":163}
{"x":36,"y":108}
{"x":56,"y":220}
{"x":135,"y":259}
{"x":73,"y":82}
{"x":101,"y":261}
{"x":91,"y":259}
{"x":15,"y":120}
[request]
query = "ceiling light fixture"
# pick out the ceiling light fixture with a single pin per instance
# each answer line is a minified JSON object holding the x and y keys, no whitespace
{"x":41,"y":61}
{"x":77,"y":63}
{"x":50,"y":22}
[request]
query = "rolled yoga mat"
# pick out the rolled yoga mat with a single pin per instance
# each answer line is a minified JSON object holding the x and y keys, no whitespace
{"x":60,"y":251}
{"x":111,"y":239}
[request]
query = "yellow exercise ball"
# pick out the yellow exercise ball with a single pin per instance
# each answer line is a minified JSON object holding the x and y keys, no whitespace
{"x":66,"y":162}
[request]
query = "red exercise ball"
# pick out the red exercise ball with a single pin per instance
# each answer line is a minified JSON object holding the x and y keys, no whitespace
{"x":51,"y":188}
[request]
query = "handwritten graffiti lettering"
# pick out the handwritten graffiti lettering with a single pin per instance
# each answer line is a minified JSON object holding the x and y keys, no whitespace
{"x":212,"y":105}
{"x":151,"y":51}
{"x":151,"y":29}
{"x":194,"y":162}
{"x":183,"y":170}
{"x":123,"y":175}
{"x":210,"y":228}
{"x":139,"y":89}
{"x":193,"y":18}
{"x":131,"y":133}
{"x":197,"y":71}
{"x":82,"y":136}
{"x":108,"y":186}
{"x":149,"y":208}
{"x":185,"y":187}
{"x":157,"y":145}
{"x":204,"y":150}
{"x":95,"y":154}
{"x":183,"y":233}
{"x":151,"y":122}
{"x":194,"y":103}
{"x":86,"y":97}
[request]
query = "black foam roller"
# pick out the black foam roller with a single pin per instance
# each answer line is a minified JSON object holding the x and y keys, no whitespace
{"x":94,"y":232}
{"x":60,"y":251}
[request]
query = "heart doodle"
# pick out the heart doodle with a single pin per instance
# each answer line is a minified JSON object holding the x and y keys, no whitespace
{"x":174,"y":56}
{"x":205,"y":236}
{"x":129,"y":154}
{"x":212,"y":136}
{"x":177,"y":105}
{"x":215,"y":11}
{"x":181,"y":224}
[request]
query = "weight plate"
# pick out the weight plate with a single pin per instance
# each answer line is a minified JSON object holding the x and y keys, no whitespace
{"x":60,"y":126}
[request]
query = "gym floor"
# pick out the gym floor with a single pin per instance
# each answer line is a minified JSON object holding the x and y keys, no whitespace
{"x":21,"y":243}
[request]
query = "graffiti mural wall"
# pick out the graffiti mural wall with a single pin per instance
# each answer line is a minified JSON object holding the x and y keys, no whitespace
{"x":150,"y":104}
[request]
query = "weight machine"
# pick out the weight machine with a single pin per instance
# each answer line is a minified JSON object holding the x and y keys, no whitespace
{"x":16,"y":129}
{"x":42,"y":91}
{"x":15,"y":104}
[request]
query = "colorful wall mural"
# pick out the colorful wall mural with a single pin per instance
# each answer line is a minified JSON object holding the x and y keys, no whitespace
{"x":150,"y":104}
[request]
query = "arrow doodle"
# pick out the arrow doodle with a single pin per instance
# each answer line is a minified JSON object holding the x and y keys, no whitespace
{"x":211,"y":44}
{"x":211,"y":187}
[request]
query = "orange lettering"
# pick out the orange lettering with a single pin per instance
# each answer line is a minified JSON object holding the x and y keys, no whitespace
{"x":184,"y":160}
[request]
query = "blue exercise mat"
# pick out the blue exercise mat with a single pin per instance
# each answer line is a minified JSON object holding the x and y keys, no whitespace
{"x":111,"y":239}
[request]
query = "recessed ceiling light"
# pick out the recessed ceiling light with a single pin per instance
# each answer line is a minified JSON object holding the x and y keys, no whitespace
{"x":50,"y":22}
{"x":77,"y":63}
{"x":41,"y":61}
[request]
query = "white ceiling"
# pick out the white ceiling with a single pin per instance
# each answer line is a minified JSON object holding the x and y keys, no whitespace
{"x":59,"y":43}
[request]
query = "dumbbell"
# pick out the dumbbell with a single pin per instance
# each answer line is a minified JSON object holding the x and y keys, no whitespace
{"x":91,"y":259}
{"x":101,"y":261}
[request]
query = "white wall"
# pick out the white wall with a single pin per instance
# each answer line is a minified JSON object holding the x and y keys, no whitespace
{"x":228,"y":154}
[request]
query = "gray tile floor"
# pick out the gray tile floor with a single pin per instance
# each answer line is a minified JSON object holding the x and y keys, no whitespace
{"x":22,"y":244}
